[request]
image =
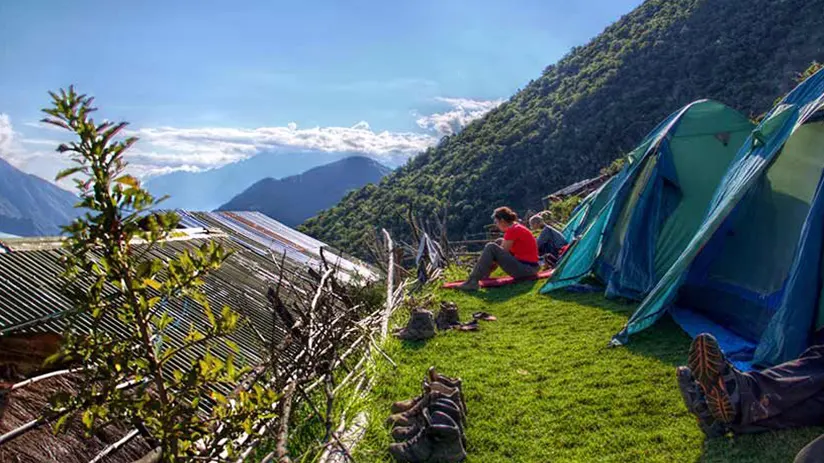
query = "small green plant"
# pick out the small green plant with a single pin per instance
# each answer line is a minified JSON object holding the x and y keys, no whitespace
{"x":815,"y":66}
{"x":561,"y":210}
{"x":128,"y":374}
{"x":614,"y":167}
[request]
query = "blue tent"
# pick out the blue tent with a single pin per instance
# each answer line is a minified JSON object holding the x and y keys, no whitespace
{"x":640,"y":222}
{"x":752,"y":273}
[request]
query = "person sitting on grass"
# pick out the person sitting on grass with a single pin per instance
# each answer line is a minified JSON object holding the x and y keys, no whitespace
{"x":724,"y":399}
{"x":550,"y":241}
{"x":516,"y":254}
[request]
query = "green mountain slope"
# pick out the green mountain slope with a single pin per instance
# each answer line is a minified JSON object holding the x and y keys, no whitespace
{"x":589,"y":108}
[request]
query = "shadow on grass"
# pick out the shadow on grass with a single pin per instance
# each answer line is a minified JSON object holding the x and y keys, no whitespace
{"x":413,"y":345}
{"x":665,"y":341}
{"x":492,"y":295}
{"x":770,"y":446}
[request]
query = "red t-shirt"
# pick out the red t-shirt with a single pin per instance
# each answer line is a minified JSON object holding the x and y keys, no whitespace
{"x":524,"y":245}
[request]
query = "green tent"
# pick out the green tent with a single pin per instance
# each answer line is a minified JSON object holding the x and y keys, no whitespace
{"x":648,"y":213}
{"x":752,"y":273}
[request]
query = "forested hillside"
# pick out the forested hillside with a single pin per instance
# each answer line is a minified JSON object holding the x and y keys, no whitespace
{"x":589,"y":108}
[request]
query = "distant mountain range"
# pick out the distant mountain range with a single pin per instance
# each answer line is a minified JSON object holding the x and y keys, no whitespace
{"x":294,"y":199}
{"x":205,"y":191}
{"x":31,"y":206}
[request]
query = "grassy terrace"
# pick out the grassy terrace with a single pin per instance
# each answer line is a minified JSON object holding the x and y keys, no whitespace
{"x":542,"y":386}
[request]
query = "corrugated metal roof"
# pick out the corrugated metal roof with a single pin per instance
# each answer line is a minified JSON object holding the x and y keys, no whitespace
{"x":579,"y":187}
{"x":259,"y":231}
{"x":32,"y":295}
{"x":32,"y":298}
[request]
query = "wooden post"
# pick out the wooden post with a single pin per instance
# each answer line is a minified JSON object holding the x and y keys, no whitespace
{"x":397,"y":269}
{"x":389,"y":284}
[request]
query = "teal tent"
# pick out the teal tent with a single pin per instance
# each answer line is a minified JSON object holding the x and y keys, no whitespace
{"x":752,"y":273}
{"x":640,"y":222}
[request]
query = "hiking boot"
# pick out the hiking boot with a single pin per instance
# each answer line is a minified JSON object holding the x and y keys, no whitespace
{"x":696,"y":404}
{"x":431,"y":377}
{"x":454,"y":383}
{"x":446,"y":406}
{"x":433,"y":392}
{"x":447,"y":317}
{"x":421,"y":326}
{"x":715,"y":376}
{"x":438,"y":441}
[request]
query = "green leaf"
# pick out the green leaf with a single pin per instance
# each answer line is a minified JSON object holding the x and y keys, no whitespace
{"x":231,"y":345}
{"x":208,"y":311}
{"x":88,"y":418}
{"x":60,"y":423}
{"x":164,"y":321}
{"x":67,"y":172}
{"x":154,"y":284}
{"x":230,"y":367}
{"x":128,"y":180}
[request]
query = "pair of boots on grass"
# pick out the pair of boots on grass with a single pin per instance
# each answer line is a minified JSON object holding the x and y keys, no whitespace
{"x":422,"y":323}
{"x":430,"y":427}
{"x":726,"y":400}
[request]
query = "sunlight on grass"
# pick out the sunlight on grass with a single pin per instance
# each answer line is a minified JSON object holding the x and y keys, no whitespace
{"x":541,"y":385}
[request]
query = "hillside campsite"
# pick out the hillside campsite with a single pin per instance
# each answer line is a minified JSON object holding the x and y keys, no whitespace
{"x":542,"y":362}
{"x":426,"y":232}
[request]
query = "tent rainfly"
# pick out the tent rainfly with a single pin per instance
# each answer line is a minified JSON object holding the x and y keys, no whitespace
{"x":752,"y":273}
{"x":637,"y":224}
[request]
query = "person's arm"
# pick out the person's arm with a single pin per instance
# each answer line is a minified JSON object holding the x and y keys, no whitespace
{"x":509,"y":240}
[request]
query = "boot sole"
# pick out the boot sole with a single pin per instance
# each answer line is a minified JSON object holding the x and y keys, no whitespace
{"x":706,"y":362}
{"x":719,"y":403}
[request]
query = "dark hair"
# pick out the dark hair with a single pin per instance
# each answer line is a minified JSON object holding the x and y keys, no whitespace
{"x":506,"y":214}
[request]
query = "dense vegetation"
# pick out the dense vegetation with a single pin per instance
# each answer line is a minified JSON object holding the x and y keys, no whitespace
{"x":589,"y":108}
{"x":292,"y":200}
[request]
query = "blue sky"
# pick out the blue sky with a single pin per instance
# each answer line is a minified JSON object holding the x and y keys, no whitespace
{"x":257,"y":76}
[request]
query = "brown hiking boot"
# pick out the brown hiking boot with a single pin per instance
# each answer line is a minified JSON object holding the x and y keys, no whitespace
{"x":403,"y":433}
{"x":433,"y":392}
{"x":454,"y":383}
{"x":421,"y":326}
{"x":714,"y":376}
{"x":431,"y":377}
{"x":439,"y":441}
{"x":447,"y":317}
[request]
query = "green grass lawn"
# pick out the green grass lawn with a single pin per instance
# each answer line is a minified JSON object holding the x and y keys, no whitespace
{"x":542,"y":386}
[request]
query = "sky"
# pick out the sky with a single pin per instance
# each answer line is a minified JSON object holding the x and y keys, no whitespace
{"x":205,"y":83}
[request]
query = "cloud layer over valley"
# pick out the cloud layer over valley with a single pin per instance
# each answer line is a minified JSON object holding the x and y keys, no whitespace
{"x":163,"y":150}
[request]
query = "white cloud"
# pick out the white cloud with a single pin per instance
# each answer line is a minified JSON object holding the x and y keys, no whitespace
{"x":6,"y":133}
{"x":27,"y":154}
{"x":163,"y":150}
{"x":462,"y":113}
{"x":215,"y":146}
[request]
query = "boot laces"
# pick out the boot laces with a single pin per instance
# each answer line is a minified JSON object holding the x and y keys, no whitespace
{"x":414,"y":439}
